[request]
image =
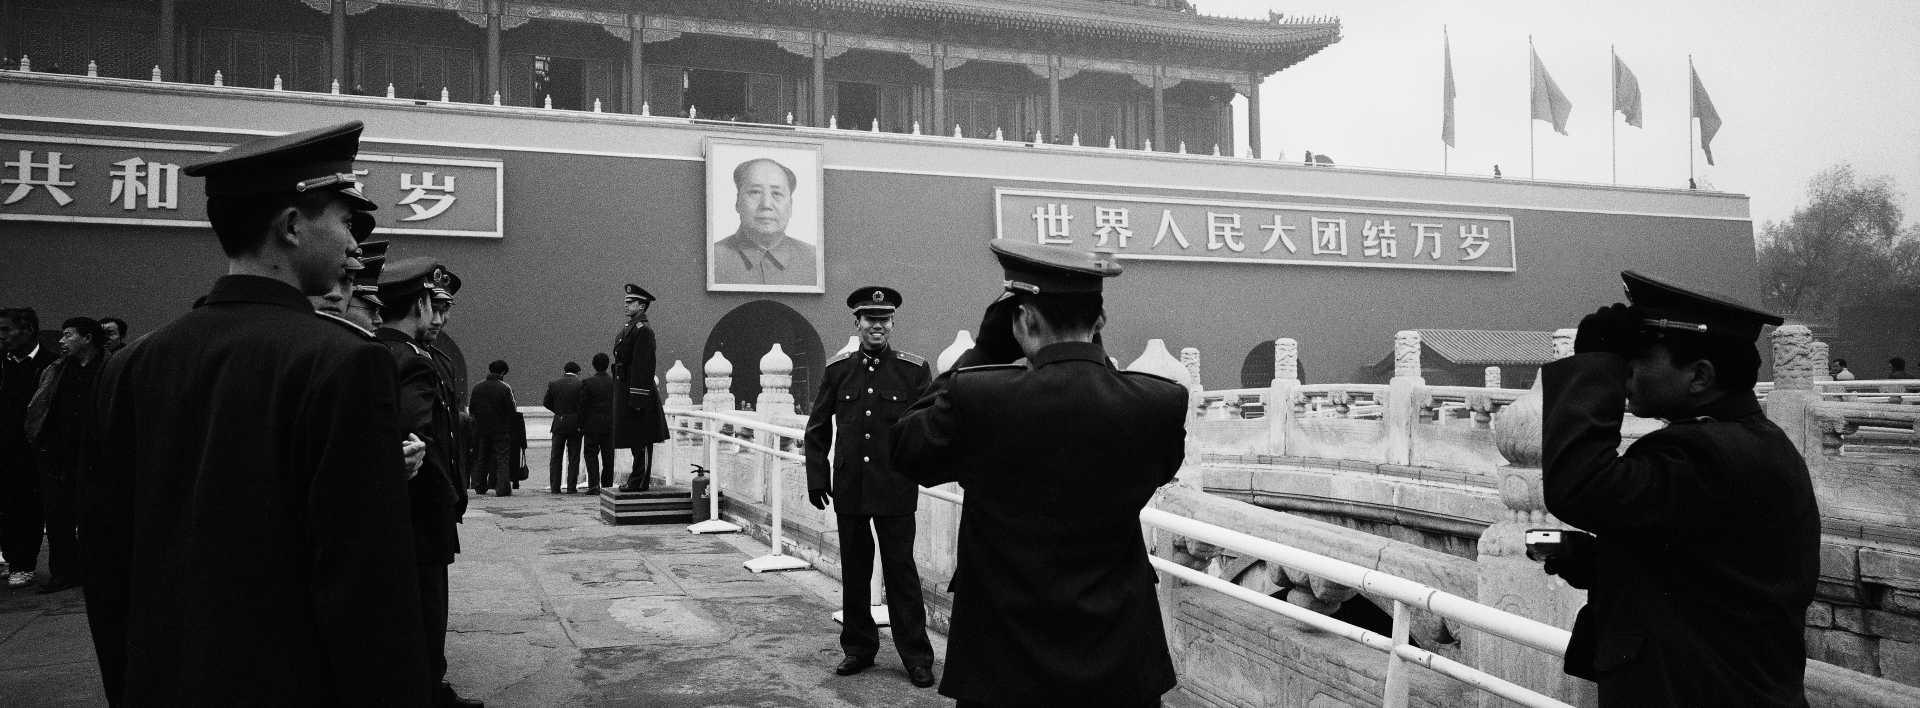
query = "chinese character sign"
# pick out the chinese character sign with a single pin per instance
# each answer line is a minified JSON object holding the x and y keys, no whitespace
{"x":104,"y":181}
{"x":1280,"y":232}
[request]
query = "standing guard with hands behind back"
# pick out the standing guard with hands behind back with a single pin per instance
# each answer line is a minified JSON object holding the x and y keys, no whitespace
{"x":1706,"y":535}
{"x":639,"y":421}
{"x":861,"y":394}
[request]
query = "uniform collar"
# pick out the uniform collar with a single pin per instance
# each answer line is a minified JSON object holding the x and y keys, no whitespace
{"x":885,"y":352}
{"x":257,"y":289}
{"x":1069,"y":351}
{"x":389,"y":334}
{"x":1732,"y":406}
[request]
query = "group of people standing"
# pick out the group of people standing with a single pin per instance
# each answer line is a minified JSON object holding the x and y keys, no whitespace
{"x":606,"y":412}
{"x":45,"y":395}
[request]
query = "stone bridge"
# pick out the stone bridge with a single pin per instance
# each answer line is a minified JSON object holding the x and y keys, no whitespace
{"x":1433,"y":484}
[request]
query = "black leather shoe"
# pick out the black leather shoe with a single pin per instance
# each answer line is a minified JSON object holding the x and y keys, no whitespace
{"x":852,"y":665}
{"x":921,"y":676}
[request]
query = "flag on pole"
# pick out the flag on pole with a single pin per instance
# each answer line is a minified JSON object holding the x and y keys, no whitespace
{"x":1549,"y":104}
{"x":1446,"y":92}
{"x":1703,"y":109}
{"x":1626,"y":92}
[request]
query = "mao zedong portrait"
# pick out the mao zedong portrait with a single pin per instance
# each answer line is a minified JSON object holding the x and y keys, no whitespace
{"x":760,"y":252}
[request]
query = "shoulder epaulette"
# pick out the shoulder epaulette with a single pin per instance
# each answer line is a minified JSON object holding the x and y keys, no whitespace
{"x":837,"y":358}
{"x":993,"y":367}
{"x":355,"y":328}
{"x":1152,"y":376}
{"x":910,"y":357}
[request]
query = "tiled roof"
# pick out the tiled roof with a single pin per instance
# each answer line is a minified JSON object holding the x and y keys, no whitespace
{"x":1488,"y":347}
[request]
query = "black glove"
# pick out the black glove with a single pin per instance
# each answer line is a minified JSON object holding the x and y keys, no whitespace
{"x":819,"y":498}
{"x":995,"y":343}
{"x":1614,"y":329}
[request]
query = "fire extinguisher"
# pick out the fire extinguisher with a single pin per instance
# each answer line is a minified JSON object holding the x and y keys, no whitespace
{"x":699,"y":497}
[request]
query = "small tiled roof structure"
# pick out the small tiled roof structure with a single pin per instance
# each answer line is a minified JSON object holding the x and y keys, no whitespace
{"x":1487,"y":347}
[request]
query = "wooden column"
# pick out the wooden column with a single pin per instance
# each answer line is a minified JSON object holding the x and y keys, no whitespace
{"x":163,"y":41}
{"x":819,"y":79}
{"x":9,"y":25}
{"x":1159,"y":111}
{"x":1253,"y":115}
{"x":940,"y":126}
{"x":493,"y":51}
{"x":1053,"y":98}
{"x":637,"y":65}
{"x":337,"y":45}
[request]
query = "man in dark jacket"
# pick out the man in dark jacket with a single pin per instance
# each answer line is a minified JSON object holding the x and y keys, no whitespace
{"x":597,"y":394}
{"x":496,"y":420}
{"x":861,"y":394}
{"x":435,"y":493}
{"x":1053,"y":597}
{"x":20,"y":367}
{"x":245,"y":521}
{"x":639,"y":420}
{"x":1708,"y":535}
{"x":563,"y":400}
{"x":58,"y":425}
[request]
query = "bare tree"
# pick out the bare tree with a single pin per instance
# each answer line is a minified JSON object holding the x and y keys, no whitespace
{"x":1844,"y":246}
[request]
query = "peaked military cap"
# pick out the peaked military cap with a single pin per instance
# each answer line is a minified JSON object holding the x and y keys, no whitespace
{"x":318,"y":159}
{"x":405,"y":279}
{"x":1667,"y":307}
{"x":445,"y":284}
{"x":874,"y":301}
{"x":366,"y":281}
{"x":362,"y":227}
{"x":635,"y":292}
{"x":1051,"y":270}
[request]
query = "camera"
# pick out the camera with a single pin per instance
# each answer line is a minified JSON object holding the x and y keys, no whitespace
{"x":1546,"y":544}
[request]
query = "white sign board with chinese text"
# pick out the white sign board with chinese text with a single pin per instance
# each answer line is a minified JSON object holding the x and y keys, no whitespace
{"x":104,"y":181}
{"x":1147,"y":227}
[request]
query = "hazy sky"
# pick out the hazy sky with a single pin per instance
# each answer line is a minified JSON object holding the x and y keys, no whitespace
{"x":1799,"y":85}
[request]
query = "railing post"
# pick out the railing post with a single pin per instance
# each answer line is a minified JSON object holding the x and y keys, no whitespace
{"x":1402,"y":406}
{"x":1396,"y":682}
{"x":776,"y":377}
{"x":1798,"y":361}
{"x":719,"y":386}
{"x":777,"y":558}
{"x":713,"y":524}
{"x":1286,"y":382}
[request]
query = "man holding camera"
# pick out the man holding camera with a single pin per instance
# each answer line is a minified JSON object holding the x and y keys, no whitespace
{"x":1053,"y":597}
{"x":1706,"y":535}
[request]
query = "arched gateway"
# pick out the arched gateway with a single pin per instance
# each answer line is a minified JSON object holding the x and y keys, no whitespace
{"x":747,"y":332}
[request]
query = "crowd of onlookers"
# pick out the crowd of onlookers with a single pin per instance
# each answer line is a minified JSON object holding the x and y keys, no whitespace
{"x":46,"y":391}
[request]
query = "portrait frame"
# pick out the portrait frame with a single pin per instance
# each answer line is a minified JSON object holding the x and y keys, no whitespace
{"x":805,"y":226}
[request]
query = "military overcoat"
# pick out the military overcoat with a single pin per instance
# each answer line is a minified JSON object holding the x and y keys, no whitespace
{"x":860,"y":396}
{"x":437,"y":495}
{"x":1053,"y":597}
{"x":1707,"y":551}
{"x":247,"y":523}
{"x":638,"y":418}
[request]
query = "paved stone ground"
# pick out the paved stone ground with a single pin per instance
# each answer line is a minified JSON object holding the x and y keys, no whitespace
{"x":551,"y":607}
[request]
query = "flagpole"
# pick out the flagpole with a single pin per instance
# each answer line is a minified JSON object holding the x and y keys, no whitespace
{"x":1690,"y":111}
{"x":1531,"y":79}
{"x":1613,"y":124}
{"x":1446,"y":151}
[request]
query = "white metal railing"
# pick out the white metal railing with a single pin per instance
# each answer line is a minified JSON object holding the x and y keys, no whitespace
{"x":1404,"y":593}
{"x":1896,"y":391}
{"x":713,"y":435}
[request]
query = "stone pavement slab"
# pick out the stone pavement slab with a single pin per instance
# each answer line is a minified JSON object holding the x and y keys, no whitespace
{"x":550,"y":607}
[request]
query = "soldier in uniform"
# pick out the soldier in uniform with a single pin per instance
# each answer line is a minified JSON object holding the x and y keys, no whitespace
{"x":435,"y":495}
{"x":452,"y":380}
{"x":1053,"y":597}
{"x":861,"y":394}
{"x":363,"y":302}
{"x":242,"y":516}
{"x":638,"y":420}
{"x":1708,"y":535}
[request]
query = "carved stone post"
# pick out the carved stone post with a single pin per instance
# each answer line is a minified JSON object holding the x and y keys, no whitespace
{"x":1507,"y":579}
{"x":1402,"y":406}
{"x":961,"y":343}
{"x":679,"y":386}
{"x":776,"y":377}
{"x":1280,"y":393}
{"x":719,"y":391}
{"x":1493,"y":377}
{"x":1821,"y":354}
{"x":1155,"y":359}
{"x":1798,"y":361}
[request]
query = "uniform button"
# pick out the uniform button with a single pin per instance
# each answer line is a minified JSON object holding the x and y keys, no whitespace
{"x":869,"y":412}
{"x":867,"y":436}
{"x":869,"y":390}
{"x":864,"y":458}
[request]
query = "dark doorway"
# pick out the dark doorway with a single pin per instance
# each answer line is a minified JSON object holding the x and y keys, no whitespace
{"x":719,"y":95}
{"x":561,"y":78}
{"x":856,"y":104}
{"x":749,"y":331}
